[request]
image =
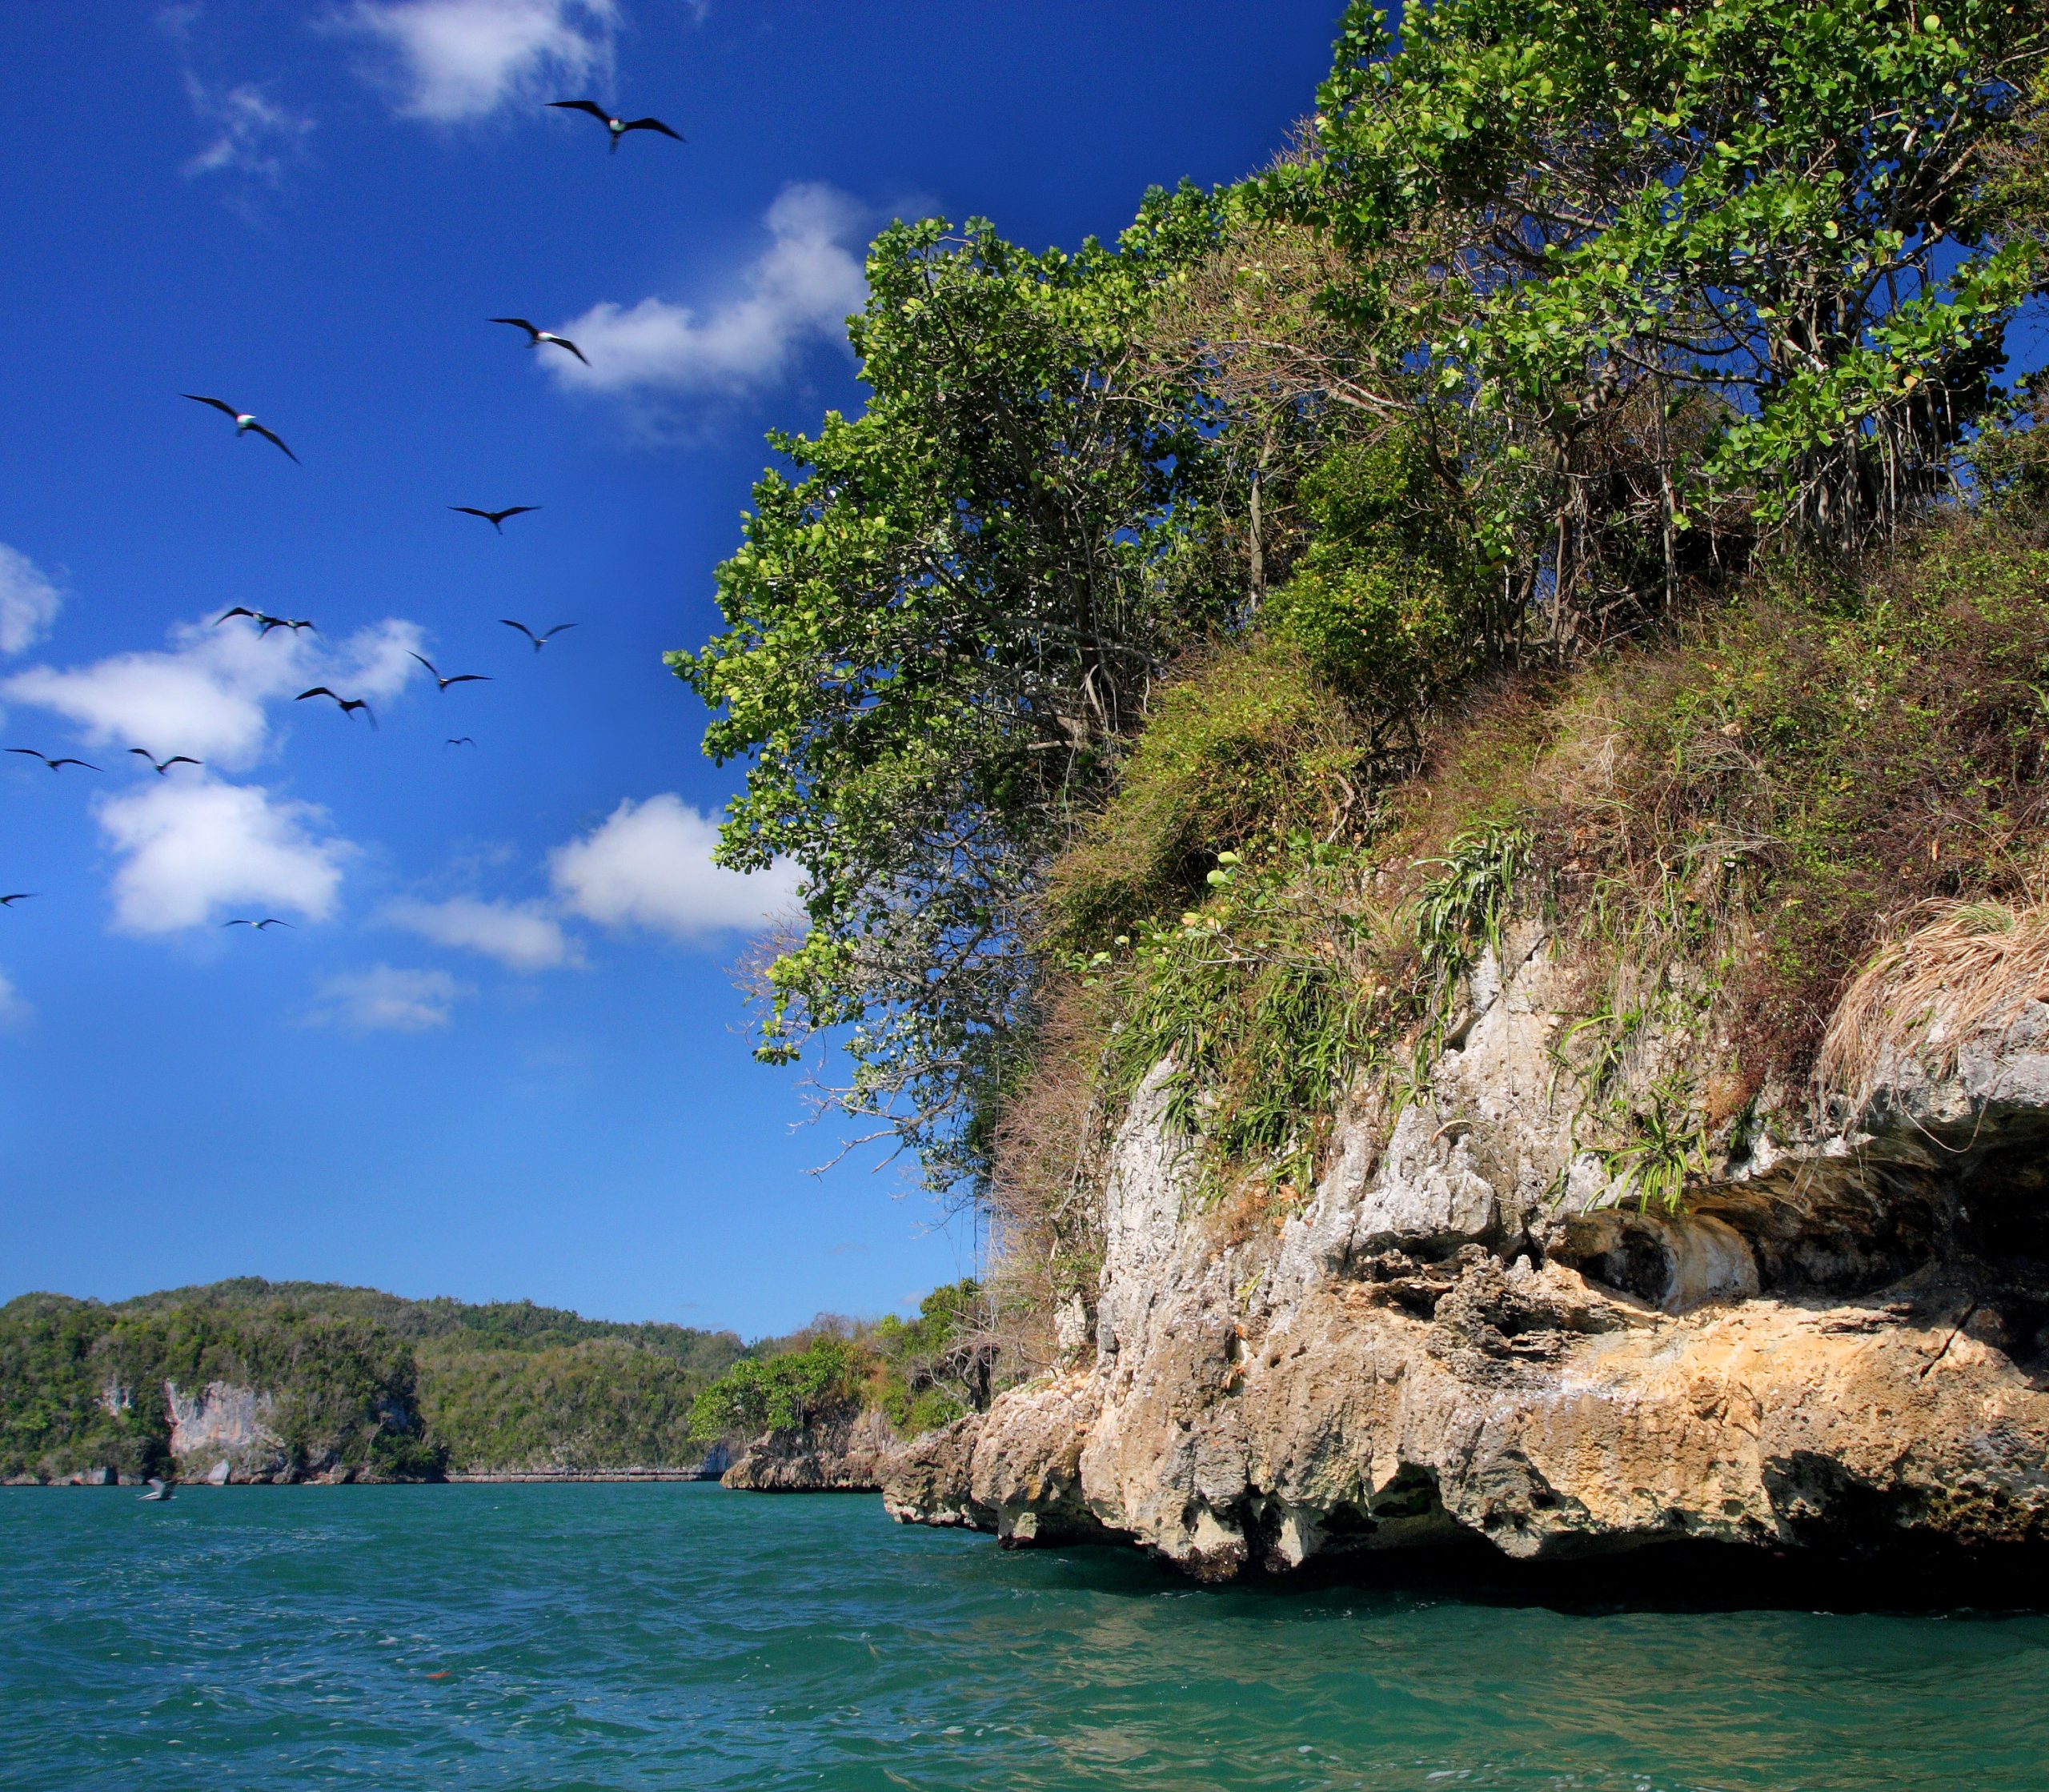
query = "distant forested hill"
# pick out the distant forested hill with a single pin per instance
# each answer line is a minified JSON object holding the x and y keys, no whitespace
{"x":355,"y":1382}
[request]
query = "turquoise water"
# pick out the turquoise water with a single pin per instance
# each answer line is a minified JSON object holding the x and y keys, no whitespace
{"x":682,"y":1637}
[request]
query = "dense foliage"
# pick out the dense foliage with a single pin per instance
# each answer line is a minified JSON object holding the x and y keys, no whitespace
{"x":361,"y":1380}
{"x":1561,"y":326}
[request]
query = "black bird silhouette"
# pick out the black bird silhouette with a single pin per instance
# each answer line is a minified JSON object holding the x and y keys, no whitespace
{"x":19,"y":896}
{"x":160,"y":766}
{"x":540,"y":641}
{"x":53,"y":763}
{"x":268,"y":920}
{"x":265,"y":624}
{"x":459,"y":678}
{"x":617,"y":127}
{"x":494,"y":518}
{"x":535,"y":336}
{"x":348,"y":705}
{"x":460,"y":740}
{"x":244,"y":424}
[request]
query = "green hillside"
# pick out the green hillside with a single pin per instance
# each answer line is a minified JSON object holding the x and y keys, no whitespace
{"x":363,"y":1382}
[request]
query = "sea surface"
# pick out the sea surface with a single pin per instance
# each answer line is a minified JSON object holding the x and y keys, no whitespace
{"x":680,"y":1636}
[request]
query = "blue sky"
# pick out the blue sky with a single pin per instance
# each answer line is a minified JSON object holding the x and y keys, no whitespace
{"x":497,"y":1052}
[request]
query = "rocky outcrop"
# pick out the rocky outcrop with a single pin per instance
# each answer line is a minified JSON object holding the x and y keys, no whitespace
{"x":842,"y":1454}
{"x":1842,"y":1344}
{"x":223,"y":1432}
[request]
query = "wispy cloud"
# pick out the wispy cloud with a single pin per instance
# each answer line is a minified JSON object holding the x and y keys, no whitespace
{"x":385,"y":999}
{"x":796,"y":293}
{"x":253,"y":135}
{"x":649,"y":865}
{"x":29,"y":601}
{"x":447,"y":61}
{"x":191,"y":847}
{"x":14,"y":1010}
{"x":523,"y":935}
{"x":208,"y":693}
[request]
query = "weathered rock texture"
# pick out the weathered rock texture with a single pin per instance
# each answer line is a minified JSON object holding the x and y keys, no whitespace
{"x":844,"y":1454}
{"x":1842,"y":1344}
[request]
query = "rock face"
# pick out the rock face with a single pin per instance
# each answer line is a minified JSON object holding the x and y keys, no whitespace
{"x":1842,"y":1344}
{"x":841,"y":1455}
{"x":222,"y":1433}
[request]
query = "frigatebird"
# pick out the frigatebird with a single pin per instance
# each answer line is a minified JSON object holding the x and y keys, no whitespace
{"x":459,"y":678}
{"x":244,"y":424}
{"x":494,"y":518}
{"x":348,"y":705}
{"x":265,"y":623}
{"x":53,"y":764}
{"x":617,"y":127}
{"x":535,"y":336}
{"x":540,"y":641}
{"x":160,"y":766}
{"x":460,"y":740}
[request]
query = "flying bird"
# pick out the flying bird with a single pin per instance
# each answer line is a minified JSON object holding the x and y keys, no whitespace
{"x":459,"y":678}
{"x":265,"y":623}
{"x":536,"y":336}
{"x":54,"y":764}
{"x":268,"y":920}
{"x":540,"y":641}
{"x":19,"y":896}
{"x":460,"y":740}
{"x":160,"y":766}
{"x":617,"y":127}
{"x":348,"y":705}
{"x":494,"y":518}
{"x":159,"y":1489}
{"x":244,"y":424}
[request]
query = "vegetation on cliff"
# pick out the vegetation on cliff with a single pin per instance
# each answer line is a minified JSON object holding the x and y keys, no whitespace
{"x":1584,"y":474}
{"x":382,"y":1387}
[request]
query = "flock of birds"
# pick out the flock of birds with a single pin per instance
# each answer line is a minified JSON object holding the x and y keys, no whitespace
{"x":246,"y":424}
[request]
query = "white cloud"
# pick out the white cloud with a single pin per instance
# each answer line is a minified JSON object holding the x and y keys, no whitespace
{"x":252,"y":135}
{"x":190,"y":847}
{"x":456,"y":60}
{"x":521,"y":934}
{"x":206,"y":695}
{"x":649,"y":865}
{"x":14,"y":1012}
{"x":384,"y":999}
{"x":798,"y":292}
{"x":29,"y":601}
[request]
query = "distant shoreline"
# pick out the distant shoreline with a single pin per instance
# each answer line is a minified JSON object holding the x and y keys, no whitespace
{"x":615,"y":1476}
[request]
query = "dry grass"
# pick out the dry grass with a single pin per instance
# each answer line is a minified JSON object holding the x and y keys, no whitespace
{"x":1967,"y":967}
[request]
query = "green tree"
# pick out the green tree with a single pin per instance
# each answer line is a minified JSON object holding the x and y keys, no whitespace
{"x":939,"y":623}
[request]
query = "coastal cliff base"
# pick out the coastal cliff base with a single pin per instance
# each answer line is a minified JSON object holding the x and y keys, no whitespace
{"x":1841,"y":1344}
{"x":846,"y":1453}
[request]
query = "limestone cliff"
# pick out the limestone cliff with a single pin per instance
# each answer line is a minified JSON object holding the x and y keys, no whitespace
{"x":1467,"y":1333}
{"x":844,"y":1454}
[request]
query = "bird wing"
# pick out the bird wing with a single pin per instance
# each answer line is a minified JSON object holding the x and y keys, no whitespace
{"x":467,"y":678}
{"x":517,"y":510}
{"x":518,"y":324}
{"x":144,"y":752}
{"x":272,"y":436}
{"x":359,"y":703}
{"x":271,"y":920}
{"x":86,"y":763}
{"x":179,"y":759}
{"x":427,"y":662}
{"x":318,"y":691}
{"x":220,"y":405}
{"x":589,"y":105}
{"x":508,"y":621}
{"x":237,"y":922}
{"x":24,"y":895}
{"x":652,"y":124}
{"x":470,"y":510}
{"x":556,"y":630}
{"x":239,"y":610}
{"x":33,"y":754}
{"x":563,"y":341}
